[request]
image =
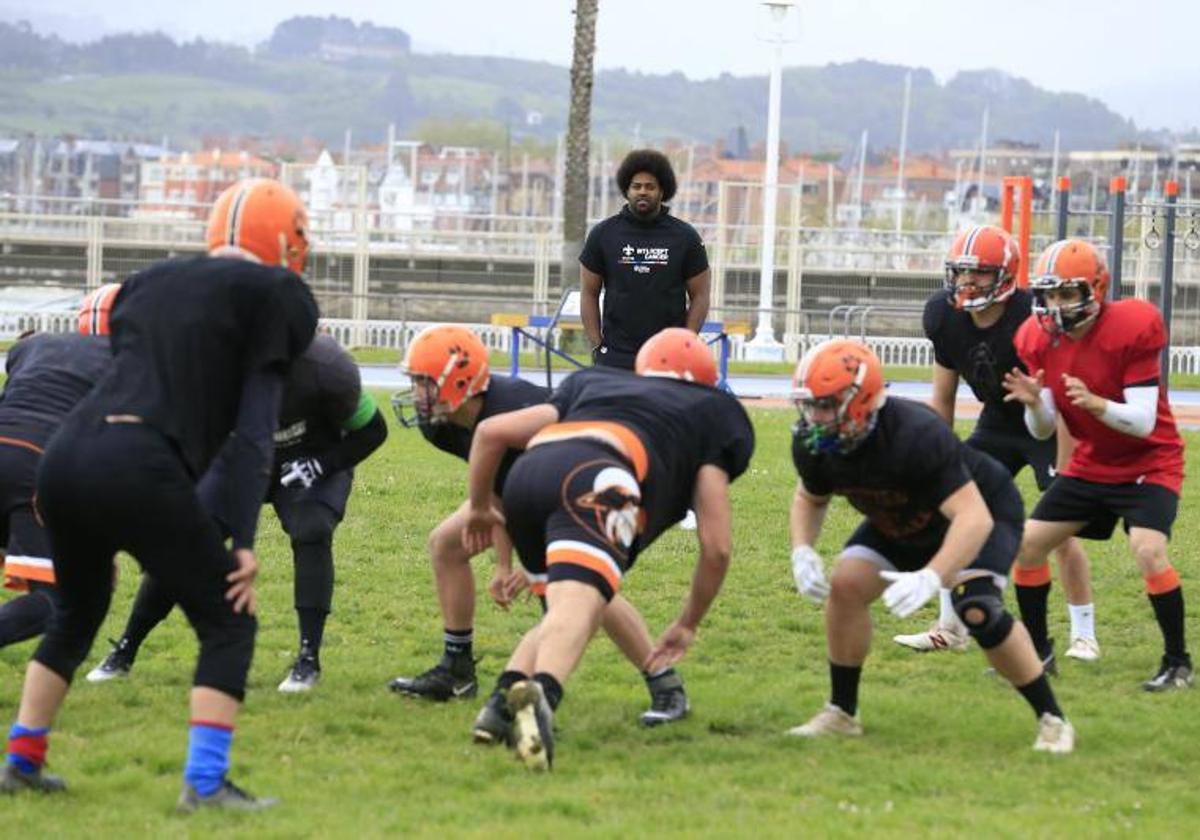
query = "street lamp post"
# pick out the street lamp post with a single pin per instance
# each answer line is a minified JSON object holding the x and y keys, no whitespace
{"x":764,"y":346}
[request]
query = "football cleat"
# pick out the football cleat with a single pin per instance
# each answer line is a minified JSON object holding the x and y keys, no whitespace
{"x":533,"y":725}
{"x":1055,"y":735}
{"x":304,"y":675}
{"x":688,"y":523}
{"x":229,"y":797}
{"x":668,"y":701}
{"x":938,"y":637}
{"x":494,"y":723}
{"x":444,"y":681}
{"x":1083,"y":649}
{"x":116,"y":665}
{"x":829,"y":721}
{"x":13,"y":779}
{"x":1172,"y":674}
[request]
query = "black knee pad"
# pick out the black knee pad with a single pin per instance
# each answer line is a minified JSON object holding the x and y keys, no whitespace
{"x":312,"y":524}
{"x":979,"y":603}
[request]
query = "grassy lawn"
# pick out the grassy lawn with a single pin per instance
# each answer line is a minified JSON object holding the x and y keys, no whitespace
{"x":947,"y":750}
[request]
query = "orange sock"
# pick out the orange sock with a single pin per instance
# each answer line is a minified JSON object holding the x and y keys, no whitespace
{"x":1164,"y":581}
{"x":1038,"y":576}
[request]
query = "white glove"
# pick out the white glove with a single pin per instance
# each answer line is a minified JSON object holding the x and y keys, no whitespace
{"x":808,"y":569}
{"x":302,"y":472}
{"x":910,"y":590}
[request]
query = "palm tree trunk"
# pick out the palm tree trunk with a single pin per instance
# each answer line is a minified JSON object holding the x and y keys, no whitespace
{"x":575,"y":186}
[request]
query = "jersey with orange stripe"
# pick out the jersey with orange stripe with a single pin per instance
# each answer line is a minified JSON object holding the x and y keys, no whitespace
{"x":680,"y":426}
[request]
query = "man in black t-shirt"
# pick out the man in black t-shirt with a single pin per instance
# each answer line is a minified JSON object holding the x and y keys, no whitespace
{"x":327,"y":425}
{"x":935,"y":512}
{"x":447,"y":413}
{"x":612,"y":461}
{"x":201,"y":349}
{"x":972,"y":324}
{"x":47,"y":377}
{"x":651,"y":266}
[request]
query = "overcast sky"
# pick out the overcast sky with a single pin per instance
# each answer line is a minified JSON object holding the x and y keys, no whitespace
{"x":1139,"y":58}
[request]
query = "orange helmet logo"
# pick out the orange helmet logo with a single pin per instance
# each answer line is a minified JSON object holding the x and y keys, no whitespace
{"x":96,"y":309}
{"x":838,"y":388}
{"x":677,"y":353}
{"x":448,"y":364}
{"x":263,"y":218}
{"x":981,"y":250}
{"x":1069,"y":264}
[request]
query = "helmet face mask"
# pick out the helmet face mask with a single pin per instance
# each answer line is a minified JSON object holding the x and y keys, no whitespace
{"x":418,"y":405}
{"x":1071,"y":264}
{"x":966,"y":291}
{"x":979,"y":251}
{"x":447,"y":365}
{"x":1057,"y":318}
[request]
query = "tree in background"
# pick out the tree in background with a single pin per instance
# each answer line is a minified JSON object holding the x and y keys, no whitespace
{"x":575,"y":182}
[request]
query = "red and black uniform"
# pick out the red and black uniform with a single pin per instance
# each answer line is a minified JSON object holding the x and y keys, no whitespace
{"x":597,"y":488}
{"x":201,"y":348}
{"x":47,"y":377}
{"x":898,"y":479}
{"x":981,"y":356}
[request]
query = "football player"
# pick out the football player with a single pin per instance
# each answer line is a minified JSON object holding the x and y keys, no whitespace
{"x":201,"y":349}
{"x":972,"y":325}
{"x":936,"y":513}
{"x":327,"y":425}
{"x":611,"y":461}
{"x":1096,"y":365}
{"x":47,"y":376}
{"x":453,"y":391}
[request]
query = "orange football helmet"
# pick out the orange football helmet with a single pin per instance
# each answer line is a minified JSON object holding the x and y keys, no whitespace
{"x":263,"y":218}
{"x":447,"y":364}
{"x":96,"y":309}
{"x":838,"y":388}
{"x":982,"y":249}
{"x":1070,"y":263}
{"x":677,"y":353}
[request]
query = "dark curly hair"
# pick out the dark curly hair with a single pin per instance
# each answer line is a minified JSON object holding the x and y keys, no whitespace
{"x":651,"y":161}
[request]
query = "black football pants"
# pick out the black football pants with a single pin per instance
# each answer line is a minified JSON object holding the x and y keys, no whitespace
{"x":106,"y":487}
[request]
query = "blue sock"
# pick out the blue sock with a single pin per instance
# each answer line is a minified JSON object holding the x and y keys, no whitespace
{"x":27,"y":747}
{"x":208,"y":756}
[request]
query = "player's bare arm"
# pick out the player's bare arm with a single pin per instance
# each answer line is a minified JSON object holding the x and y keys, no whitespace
{"x":970,"y":526}
{"x":945,"y":388}
{"x":589,"y":304}
{"x":698,"y":294}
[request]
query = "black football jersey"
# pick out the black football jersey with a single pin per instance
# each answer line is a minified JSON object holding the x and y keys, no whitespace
{"x":981,"y":356}
{"x":504,"y":394}
{"x":48,"y":375}
{"x":187,"y":333}
{"x":321,"y":394}
{"x":900,"y":475}
{"x":682,"y":425}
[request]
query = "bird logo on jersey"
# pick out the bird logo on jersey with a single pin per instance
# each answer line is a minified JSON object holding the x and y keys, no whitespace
{"x":981,"y":267}
{"x":611,"y":508}
{"x":1069,"y":286}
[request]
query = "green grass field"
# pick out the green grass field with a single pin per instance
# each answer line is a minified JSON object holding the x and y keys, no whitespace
{"x":946,"y":752}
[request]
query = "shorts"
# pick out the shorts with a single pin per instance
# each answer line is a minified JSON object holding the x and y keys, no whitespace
{"x":573,"y":512}
{"x":332,"y":490}
{"x":26,"y":543}
{"x":1015,"y":451}
{"x":1099,"y":506}
{"x":996,"y":557}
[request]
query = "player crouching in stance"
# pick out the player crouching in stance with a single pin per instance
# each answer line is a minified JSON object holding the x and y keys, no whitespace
{"x":1096,"y":365}
{"x":201,"y":348}
{"x":613,"y":460}
{"x":937,"y":513}
{"x":453,"y":392}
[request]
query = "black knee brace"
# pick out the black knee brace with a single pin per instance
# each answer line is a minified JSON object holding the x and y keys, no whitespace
{"x":979,"y":603}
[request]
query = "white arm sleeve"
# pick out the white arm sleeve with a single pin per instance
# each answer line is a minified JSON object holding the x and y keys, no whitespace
{"x":1041,"y":420}
{"x":1137,"y":415}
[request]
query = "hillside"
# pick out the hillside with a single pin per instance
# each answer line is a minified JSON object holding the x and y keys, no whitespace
{"x":317,"y":77}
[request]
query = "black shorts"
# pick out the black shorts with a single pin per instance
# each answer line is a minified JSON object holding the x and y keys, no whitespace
{"x":25,"y":541}
{"x":996,"y":556}
{"x":572,"y":511}
{"x":332,"y":491}
{"x":1099,"y":506}
{"x":1015,"y":451}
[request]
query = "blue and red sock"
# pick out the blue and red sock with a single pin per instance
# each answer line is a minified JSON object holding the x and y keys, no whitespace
{"x":208,"y":756}
{"x":27,"y":747}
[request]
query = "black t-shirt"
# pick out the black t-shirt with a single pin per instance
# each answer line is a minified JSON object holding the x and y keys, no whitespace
{"x":48,"y":375}
{"x":900,"y":475}
{"x":645,"y":266}
{"x":504,"y":394}
{"x":187,"y":333}
{"x":981,"y":356}
{"x":682,"y":425}
{"x":321,"y":394}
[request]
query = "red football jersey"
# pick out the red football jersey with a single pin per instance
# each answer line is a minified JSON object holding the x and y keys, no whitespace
{"x":1122,"y":349}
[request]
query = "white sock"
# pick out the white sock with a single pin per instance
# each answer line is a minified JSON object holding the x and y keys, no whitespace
{"x":946,"y":615}
{"x":1083,"y":621}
